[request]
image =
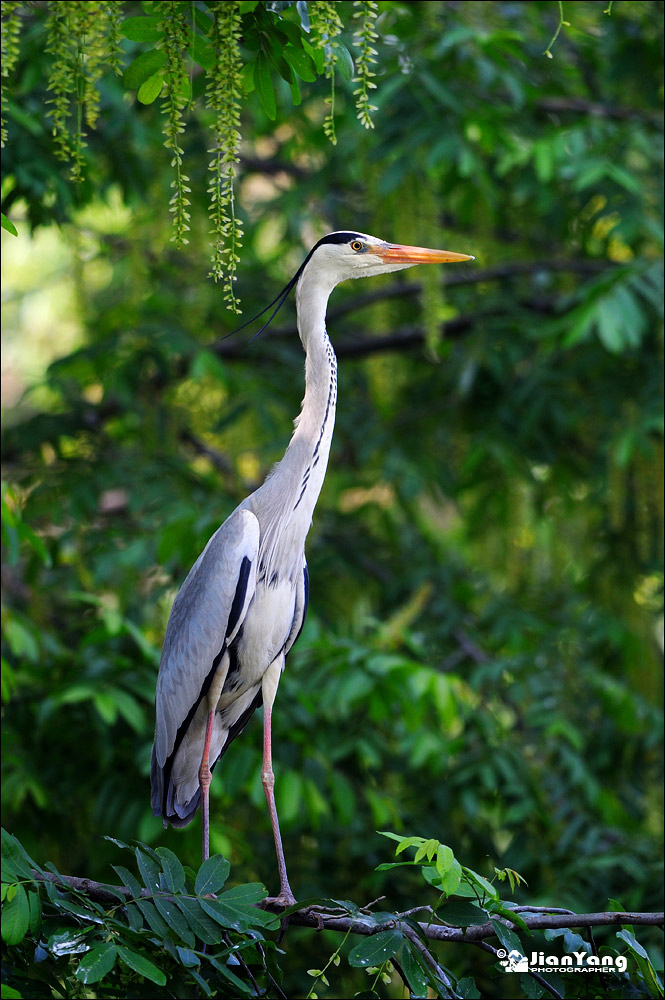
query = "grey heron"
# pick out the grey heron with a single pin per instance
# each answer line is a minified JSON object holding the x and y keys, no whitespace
{"x":243,"y":603}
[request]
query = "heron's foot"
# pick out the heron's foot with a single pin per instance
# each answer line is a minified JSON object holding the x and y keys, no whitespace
{"x":285,"y":898}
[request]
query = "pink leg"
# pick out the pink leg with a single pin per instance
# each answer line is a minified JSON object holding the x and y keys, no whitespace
{"x":268,"y":780}
{"x":205,"y":777}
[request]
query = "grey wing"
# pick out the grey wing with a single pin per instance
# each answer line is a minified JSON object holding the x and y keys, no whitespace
{"x":206,"y":615}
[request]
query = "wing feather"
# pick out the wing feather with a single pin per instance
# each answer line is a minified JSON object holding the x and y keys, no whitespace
{"x":207,"y":612}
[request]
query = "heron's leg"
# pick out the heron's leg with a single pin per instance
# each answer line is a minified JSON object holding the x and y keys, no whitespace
{"x":205,"y":777}
{"x":269,"y":685}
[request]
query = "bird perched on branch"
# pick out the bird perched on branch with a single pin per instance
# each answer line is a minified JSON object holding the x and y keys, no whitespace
{"x":243,"y":603}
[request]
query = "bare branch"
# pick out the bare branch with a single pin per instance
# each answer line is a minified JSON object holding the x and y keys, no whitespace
{"x":579,"y":105}
{"x":359,"y":345}
{"x":466,"y":276}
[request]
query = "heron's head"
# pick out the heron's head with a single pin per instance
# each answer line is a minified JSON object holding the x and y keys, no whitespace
{"x":343,"y":255}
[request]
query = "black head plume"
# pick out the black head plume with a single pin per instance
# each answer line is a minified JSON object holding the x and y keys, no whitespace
{"x":280,"y":299}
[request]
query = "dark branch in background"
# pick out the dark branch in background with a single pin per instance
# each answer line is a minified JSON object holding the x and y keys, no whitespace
{"x":220,"y":461}
{"x":361,"y":346}
{"x":456,"y":279}
{"x":257,"y":165}
{"x":407,"y":338}
{"x":578,"y":105}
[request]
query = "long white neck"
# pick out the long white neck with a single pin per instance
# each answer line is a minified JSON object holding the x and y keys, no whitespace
{"x":285,"y":503}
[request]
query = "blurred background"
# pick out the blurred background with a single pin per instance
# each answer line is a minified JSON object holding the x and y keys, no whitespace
{"x":481,"y":663}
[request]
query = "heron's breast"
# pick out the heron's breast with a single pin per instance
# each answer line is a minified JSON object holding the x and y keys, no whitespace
{"x":262,"y":637}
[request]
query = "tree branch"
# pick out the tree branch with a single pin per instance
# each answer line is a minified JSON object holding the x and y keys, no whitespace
{"x":579,"y":105}
{"x":358,"y":345}
{"x":466,"y":276}
{"x":322,"y":919}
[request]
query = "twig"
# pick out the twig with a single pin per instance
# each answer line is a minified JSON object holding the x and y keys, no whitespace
{"x":431,"y":961}
{"x":243,"y":964}
{"x":541,"y":909}
{"x":470,"y":647}
{"x":415,"y":909}
{"x":367,"y":908}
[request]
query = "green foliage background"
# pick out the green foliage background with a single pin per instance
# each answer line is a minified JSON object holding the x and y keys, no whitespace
{"x":481,"y":662}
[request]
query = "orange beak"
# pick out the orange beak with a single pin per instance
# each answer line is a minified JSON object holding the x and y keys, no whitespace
{"x":395,"y":253}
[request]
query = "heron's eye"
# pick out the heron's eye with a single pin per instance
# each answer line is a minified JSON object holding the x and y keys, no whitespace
{"x":357,"y":246}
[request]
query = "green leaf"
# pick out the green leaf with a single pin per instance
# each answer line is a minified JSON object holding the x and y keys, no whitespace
{"x":173,"y":871}
{"x":237,"y":916}
{"x":376,"y":949}
{"x":264,"y":86}
{"x":247,"y":6}
{"x":16,"y":863}
{"x":97,"y":963}
{"x":414,"y":969}
{"x":142,"y":965}
{"x":300,"y":63}
{"x":221,"y":967}
{"x":475,"y":879}
{"x":345,"y":62}
{"x":248,"y":894}
{"x":468,"y":990}
{"x":203,"y":21}
{"x":9,"y":226}
{"x":296,"y":96}
{"x":35,"y":906}
{"x":502,"y":910}
{"x":427,"y":849}
{"x":150,"y":89}
{"x":149,"y":870}
{"x":199,"y":920}
{"x":407,"y":842}
{"x":507,"y":937}
{"x":188,"y":958}
{"x":152,"y":917}
{"x":142,"y":68}
{"x":128,"y":879}
{"x":651,"y":977}
{"x":9,"y":993}
{"x":142,"y":29}
{"x":15,"y":917}
{"x":462,"y":914}
{"x":212,"y":875}
{"x":174,"y":918}
{"x":202,"y":52}
{"x":317,"y":55}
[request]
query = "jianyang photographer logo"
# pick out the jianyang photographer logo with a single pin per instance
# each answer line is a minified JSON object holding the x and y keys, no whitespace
{"x":576,"y":961}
